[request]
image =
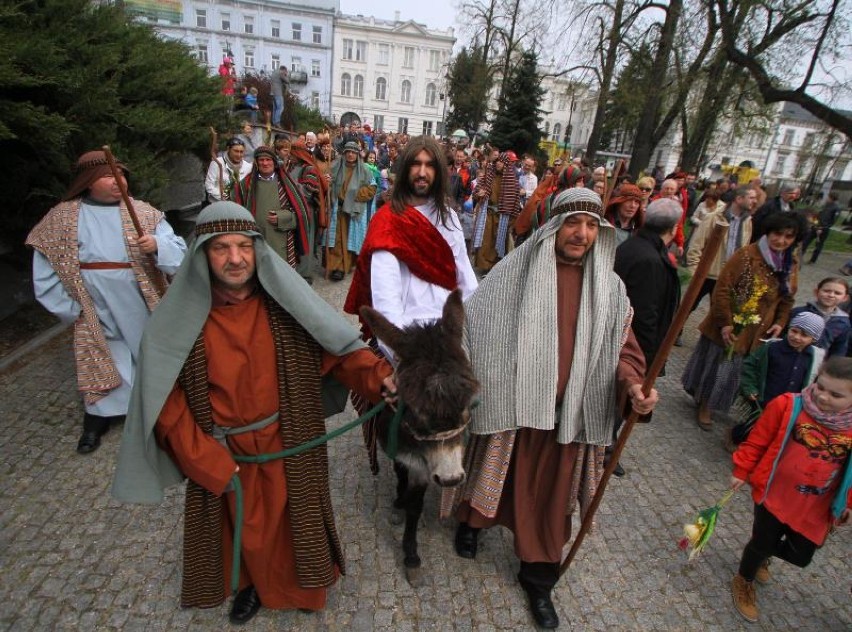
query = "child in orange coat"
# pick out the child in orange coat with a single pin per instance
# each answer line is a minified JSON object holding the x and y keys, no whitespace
{"x":797,"y":461}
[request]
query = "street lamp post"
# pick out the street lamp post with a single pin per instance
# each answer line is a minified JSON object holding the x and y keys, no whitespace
{"x":443,"y":98}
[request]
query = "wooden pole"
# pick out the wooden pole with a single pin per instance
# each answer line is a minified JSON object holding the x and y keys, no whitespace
{"x":125,"y":196}
{"x":214,"y":147}
{"x":156,"y":277}
{"x":660,"y":358}
{"x":610,"y":186}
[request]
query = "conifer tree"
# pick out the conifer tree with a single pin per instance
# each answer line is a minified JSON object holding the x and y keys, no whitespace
{"x":76,"y":75}
{"x":516,"y":125}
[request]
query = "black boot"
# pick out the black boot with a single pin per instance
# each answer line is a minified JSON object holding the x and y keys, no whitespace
{"x":466,"y":541}
{"x":94,"y":427}
{"x":538,"y":579}
{"x":246,"y":604}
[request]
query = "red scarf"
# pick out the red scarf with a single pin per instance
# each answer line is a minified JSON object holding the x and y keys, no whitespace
{"x":412,"y":239}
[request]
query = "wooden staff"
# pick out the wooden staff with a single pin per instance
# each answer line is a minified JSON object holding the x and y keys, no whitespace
{"x":214,"y":148}
{"x":156,"y":279}
{"x":610,"y":186}
{"x":119,"y":180}
{"x":660,"y":358}
{"x":268,"y":116}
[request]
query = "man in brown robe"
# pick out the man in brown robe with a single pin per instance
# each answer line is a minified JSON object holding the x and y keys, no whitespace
{"x":240,"y":361}
{"x":352,"y":188}
{"x":539,"y":434}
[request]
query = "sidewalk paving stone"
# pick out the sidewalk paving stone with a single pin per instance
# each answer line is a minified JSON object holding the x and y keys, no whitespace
{"x":74,"y":559}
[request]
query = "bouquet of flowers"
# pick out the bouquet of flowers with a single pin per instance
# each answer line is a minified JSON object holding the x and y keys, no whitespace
{"x":745,"y":305}
{"x":697,"y":533}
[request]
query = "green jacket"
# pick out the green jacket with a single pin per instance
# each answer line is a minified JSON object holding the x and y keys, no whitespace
{"x":756,"y":367}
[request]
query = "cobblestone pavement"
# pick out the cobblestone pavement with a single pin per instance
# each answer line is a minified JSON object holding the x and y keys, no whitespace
{"x":73,"y":558}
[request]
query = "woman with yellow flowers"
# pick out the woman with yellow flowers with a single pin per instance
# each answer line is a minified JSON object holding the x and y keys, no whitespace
{"x":751,"y":302}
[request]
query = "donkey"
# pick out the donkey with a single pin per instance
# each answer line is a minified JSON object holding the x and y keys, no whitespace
{"x":437,"y":386}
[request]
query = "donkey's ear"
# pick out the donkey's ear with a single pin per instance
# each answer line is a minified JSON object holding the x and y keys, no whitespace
{"x":384,"y":329}
{"x":453,"y":316}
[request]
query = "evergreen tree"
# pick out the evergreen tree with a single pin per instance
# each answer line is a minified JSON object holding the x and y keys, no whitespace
{"x":518,"y":115}
{"x":468,"y":81}
{"x":75,"y":75}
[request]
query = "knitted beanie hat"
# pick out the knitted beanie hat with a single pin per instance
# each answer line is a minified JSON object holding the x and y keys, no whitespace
{"x":810,"y":324}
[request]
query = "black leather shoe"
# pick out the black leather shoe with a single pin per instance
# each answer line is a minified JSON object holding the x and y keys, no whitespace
{"x":466,"y":544}
{"x":337,"y":275}
{"x":89,"y":441}
{"x":618,"y":471}
{"x":543,"y":611}
{"x":246,"y":605}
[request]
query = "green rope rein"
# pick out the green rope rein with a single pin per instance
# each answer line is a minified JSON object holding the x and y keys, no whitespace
{"x":392,"y":445}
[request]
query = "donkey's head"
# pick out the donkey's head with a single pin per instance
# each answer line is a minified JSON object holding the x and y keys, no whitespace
{"x":435,"y":380}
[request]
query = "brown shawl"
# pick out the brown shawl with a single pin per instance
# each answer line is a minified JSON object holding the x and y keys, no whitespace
{"x":55,"y":237}
{"x":316,"y":545}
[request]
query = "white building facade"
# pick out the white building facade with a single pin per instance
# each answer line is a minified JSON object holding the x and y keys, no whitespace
{"x":390,"y":73}
{"x":261,"y":34}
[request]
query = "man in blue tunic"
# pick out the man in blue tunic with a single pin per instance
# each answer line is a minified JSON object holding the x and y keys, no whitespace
{"x":91,"y":268}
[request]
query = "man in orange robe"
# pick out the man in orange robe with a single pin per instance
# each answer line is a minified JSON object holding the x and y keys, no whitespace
{"x":239,"y":361}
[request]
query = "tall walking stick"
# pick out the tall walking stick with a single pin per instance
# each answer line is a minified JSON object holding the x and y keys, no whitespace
{"x":656,"y":366}
{"x":610,"y":186}
{"x":156,"y":278}
{"x":214,"y":148}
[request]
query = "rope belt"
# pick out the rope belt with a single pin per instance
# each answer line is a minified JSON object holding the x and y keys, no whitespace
{"x":393,"y":439}
{"x":104,"y":265}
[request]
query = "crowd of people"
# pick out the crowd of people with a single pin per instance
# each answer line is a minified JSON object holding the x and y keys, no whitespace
{"x":570,"y":279}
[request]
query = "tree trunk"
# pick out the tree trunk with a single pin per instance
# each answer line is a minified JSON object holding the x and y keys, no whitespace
{"x":607,"y":72}
{"x":644,"y":145}
{"x":716,"y":88}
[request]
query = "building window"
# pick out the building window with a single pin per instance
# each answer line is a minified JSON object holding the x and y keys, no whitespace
{"x":557,"y":130}
{"x":276,"y":28}
{"x":434,"y":59}
{"x":347,"y":49}
{"x":546,"y":128}
{"x":405,"y":91}
{"x":201,"y":18}
{"x":789,"y":137}
{"x":431,"y":94}
{"x":317,"y":35}
{"x":276,"y":62}
{"x":780,"y":164}
{"x":248,"y":24}
{"x":201,"y":53}
{"x":360,"y":51}
{"x":315,"y":68}
{"x":315,"y":100}
{"x":408,"y":59}
{"x":295,"y":64}
{"x":358,"y":86}
{"x":297,"y":32}
{"x":427,"y":128}
{"x":346,"y":84}
{"x":379,"y":121}
{"x":384,"y":54}
{"x":809,"y":140}
{"x":402,"y":125}
{"x":249,"y":59}
{"x":226,"y":21}
{"x":381,"y":89}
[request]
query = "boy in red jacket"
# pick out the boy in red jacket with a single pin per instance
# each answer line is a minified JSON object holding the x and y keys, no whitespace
{"x":797,"y":461}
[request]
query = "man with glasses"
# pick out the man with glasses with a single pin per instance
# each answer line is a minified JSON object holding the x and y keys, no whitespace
{"x":226,"y":171}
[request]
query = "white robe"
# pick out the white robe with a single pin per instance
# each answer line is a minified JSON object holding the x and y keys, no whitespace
{"x":119,"y":303}
{"x":403,"y":298}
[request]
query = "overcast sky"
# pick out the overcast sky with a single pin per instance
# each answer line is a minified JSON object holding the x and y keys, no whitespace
{"x":438,"y":14}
